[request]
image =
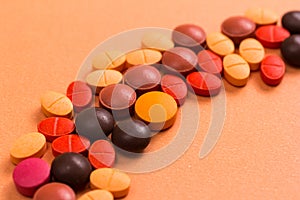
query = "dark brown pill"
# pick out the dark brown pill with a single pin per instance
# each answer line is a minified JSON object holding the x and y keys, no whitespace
{"x":238,"y":28}
{"x":290,"y":50}
{"x":291,"y":21}
{"x":52,"y":191}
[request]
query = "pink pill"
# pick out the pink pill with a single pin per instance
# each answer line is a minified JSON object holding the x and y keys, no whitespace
{"x":30,"y":174}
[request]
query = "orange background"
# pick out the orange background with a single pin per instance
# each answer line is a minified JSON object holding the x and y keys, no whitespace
{"x":43,"y":43}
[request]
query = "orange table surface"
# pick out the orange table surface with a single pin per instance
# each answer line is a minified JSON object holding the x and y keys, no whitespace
{"x":43,"y":44}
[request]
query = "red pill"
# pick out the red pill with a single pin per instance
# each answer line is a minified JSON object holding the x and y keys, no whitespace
{"x":204,"y":84}
{"x":54,"y":127}
{"x":80,"y":94}
{"x":210,"y":62}
{"x":272,"y":70}
{"x":174,"y":86}
{"x":271,"y":36}
{"x":101,"y":154}
{"x":70,"y":143}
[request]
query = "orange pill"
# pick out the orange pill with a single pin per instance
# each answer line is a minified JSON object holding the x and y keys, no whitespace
{"x":101,"y":78}
{"x":109,"y":60}
{"x":236,"y":70}
{"x":112,"y":180}
{"x":143,"y":57}
{"x":157,"y":41}
{"x":97,"y":195}
{"x":158,"y":109}
{"x":220,"y":43}
{"x":55,"y":104}
{"x":27,"y":146}
{"x":262,"y":16}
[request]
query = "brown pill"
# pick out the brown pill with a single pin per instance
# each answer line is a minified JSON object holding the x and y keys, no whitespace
{"x":157,"y":41}
{"x":143,"y":57}
{"x":262,"y":16}
{"x":109,"y":60}
{"x":97,"y":195}
{"x":52,"y":191}
{"x":220,"y":44}
{"x":238,"y":28}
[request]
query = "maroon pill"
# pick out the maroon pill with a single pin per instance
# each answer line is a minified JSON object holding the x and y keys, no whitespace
{"x":53,"y":191}
{"x":80,"y":95}
{"x":210,"y":62}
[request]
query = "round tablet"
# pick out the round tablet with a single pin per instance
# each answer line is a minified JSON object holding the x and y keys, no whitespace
{"x":290,"y":50}
{"x":291,"y":21}
{"x":210,"y":62}
{"x":80,"y":94}
{"x":157,"y":109}
{"x":261,"y":16}
{"x":142,"y":78}
{"x":72,"y":169}
{"x":157,"y":41}
{"x":220,"y":43}
{"x":109,"y":60}
{"x":101,"y":154}
{"x":28,"y":145}
{"x":30,"y":174}
{"x":54,"y":127}
{"x":143,"y":57}
{"x":52,"y":191}
{"x":131,"y":135}
{"x":272,"y":70}
{"x":70,"y":143}
{"x":97,"y":195}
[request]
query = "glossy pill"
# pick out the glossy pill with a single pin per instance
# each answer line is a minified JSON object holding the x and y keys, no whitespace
{"x":97,"y":195}
{"x":271,"y":36}
{"x":157,"y":41}
{"x":236,"y":70}
{"x":30,"y":174}
{"x":210,"y":62}
{"x":54,"y":127}
{"x":252,"y":51}
{"x":290,"y":50}
{"x":109,"y":60}
{"x":291,"y":21}
{"x":80,"y":95}
{"x":262,"y":16}
{"x":53,"y":191}
{"x":143,"y":57}
{"x":55,"y":104}
{"x":28,"y":145}
{"x":112,"y":180}
{"x":101,"y":154}
{"x":272,"y":70}
{"x":220,"y":44}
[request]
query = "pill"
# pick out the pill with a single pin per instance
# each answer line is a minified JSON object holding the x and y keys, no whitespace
{"x":109,"y":60}
{"x":272,"y":70}
{"x":112,"y":180}
{"x":28,"y":145}
{"x":101,"y":154}
{"x":290,"y":50}
{"x":101,"y":78}
{"x":97,"y":195}
{"x":70,"y":143}
{"x":262,"y":16}
{"x":271,"y":36}
{"x":80,"y":95}
{"x":30,"y":174}
{"x":52,"y":191}
{"x":220,"y":43}
{"x":131,"y":135}
{"x":236,"y":70}
{"x":142,"y":57}
{"x":72,"y":169}
{"x":55,"y":104}
{"x":204,"y":84}
{"x":157,"y":41}
{"x":94,"y":123}
{"x":210,"y":62}
{"x":190,"y":36}
{"x":143,"y":78}
{"x":54,"y":127}
{"x":180,"y":59}
{"x":291,"y":21}
{"x":253,"y":52}
{"x":238,"y":28}
{"x":157,"y":109}
{"x":174,"y":86}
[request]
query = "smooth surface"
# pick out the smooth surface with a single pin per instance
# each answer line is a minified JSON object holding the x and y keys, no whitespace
{"x":220,"y":43}
{"x":43,"y":44}
{"x":290,"y":50}
{"x":142,"y":57}
{"x":272,"y":69}
{"x":55,"y":191}
{"x":291,"y":21}
{"x":262,"y":15}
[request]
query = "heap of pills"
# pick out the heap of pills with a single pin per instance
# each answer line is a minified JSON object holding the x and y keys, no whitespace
{"x":139,"y":93}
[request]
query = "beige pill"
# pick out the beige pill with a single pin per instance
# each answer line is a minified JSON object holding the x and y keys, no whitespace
{"x":220,"y":43}
{"x":157,"y":41}
{"x":143,"y":57}
{"x":109,"y":60}
{"x":27,"y":146}
{"x":101,"y":78}
{"x":262,"y":16}
{"x":236,"y":70}
{"x":56,"y":104}
{"x":97,"y":195}
{"x":253,"y":52}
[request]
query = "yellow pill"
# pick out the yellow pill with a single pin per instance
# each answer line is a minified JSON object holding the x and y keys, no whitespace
{"x":27,"y":146}
{"x":262,"y":16}
{"x":109,"y":60}
{"x":157,"y":41}
{"x":97,"y":195}
{"x":112,"y":180}
{"x":143,"y":57}
{"x":236,"y":70}
{"x":253,"y":52}
{"x":220,"y":43}
{"x":56,"y":104}
{"x":101,"y":78}
{"x":157,"y":109}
